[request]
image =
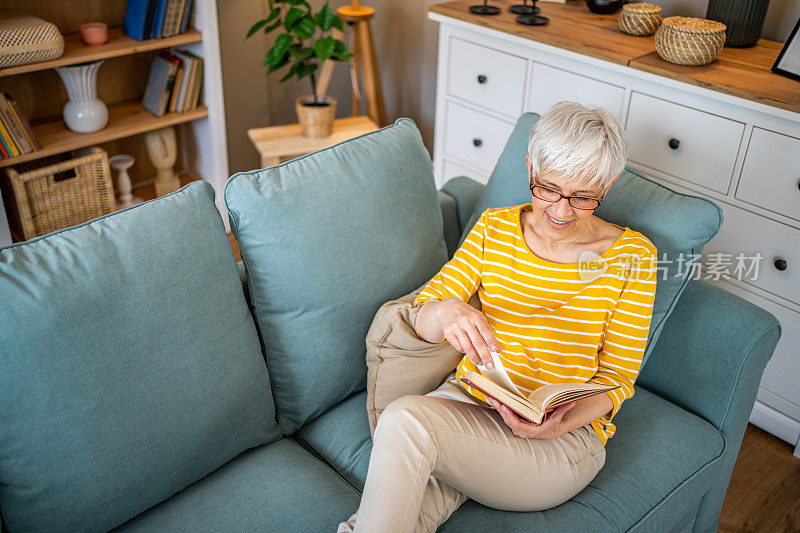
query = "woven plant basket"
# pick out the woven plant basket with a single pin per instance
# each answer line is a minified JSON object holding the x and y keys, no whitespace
{"x":60,"y":195}
{"x":689,"y":41}
{"x":315,"y":121}
{"x":27,"y":39}
{"x":640,"y":19}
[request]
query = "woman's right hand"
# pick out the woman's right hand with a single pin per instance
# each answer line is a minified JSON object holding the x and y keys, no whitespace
{"x":467,"y":330}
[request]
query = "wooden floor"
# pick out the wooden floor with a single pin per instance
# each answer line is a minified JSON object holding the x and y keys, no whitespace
{"x":764,"y":492}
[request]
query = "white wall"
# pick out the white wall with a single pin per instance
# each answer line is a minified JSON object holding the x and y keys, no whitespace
{"x":406,"y":45}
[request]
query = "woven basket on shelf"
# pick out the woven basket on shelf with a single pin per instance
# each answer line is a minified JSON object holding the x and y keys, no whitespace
{"x":640,"y":19}
{"x":689,"y":41}
{"x":59,"y":195}
{"x":27,"y":39}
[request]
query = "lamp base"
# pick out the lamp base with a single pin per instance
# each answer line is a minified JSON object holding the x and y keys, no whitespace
{"x":522,"y":9}
{"x":484,"y":10}
{"x":532,"y":20}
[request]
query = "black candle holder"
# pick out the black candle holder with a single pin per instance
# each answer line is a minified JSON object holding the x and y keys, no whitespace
{"x":484,"y":9}
{"x":531,"y":18}
{"x":523,"y":8}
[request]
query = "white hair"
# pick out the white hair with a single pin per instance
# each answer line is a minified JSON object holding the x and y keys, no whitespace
{"x":585,"y":144}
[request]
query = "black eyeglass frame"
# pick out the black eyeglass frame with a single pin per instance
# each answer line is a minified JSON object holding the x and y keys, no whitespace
{"x":569,"y":198}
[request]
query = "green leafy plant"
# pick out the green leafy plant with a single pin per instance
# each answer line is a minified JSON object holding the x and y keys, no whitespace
{"x":298,"y":25}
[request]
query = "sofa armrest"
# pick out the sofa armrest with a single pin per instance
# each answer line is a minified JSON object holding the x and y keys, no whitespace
{"x":466,"y":192}
{"x":709,"y":360}
{"x":711,"y":354}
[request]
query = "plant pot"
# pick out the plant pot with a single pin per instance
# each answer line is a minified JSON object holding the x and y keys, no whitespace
{"x":744,"y":19}
{"x":316,"y":120}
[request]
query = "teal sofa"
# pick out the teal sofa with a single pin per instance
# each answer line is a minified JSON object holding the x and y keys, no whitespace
{"x":149,"y":383}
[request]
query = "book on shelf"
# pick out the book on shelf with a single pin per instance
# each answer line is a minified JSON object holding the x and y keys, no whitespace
{"x":4,"y":148}
{"x":186,"y":15}
{"x":535,"y":407}
{"x":16,"y":134}
{"x":14,"y":127}
{"x":196,"y":82}
{"x":173,"y":101}
{"x":172,"y":18}
{"x":159,"y":12}
{"x":154,"y":19}
{"x":160,"y":83}
{"x":8,"y":142}
{"x":23,"y":121}
{"x":190,"y":81}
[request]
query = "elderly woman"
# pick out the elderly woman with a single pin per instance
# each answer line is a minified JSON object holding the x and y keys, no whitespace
{"x":550,"y":319}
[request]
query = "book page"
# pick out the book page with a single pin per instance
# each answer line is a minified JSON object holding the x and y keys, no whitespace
{"x":553,"y":393}
{"x":499,"y":375}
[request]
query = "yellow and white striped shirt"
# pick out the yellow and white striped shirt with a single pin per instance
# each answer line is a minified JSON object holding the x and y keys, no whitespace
{"x":555,"y":322}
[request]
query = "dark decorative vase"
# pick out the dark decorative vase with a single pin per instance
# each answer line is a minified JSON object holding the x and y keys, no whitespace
{"x":744,"y":18}
{"x":605,"y":7}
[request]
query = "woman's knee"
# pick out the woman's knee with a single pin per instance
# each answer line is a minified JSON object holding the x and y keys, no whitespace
{"x":408,"y":413}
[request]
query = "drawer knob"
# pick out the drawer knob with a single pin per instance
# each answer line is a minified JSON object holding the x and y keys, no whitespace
{"x":674,"y":143}
{"x":781,"y":264}
{"x":481,"y":78}
{"x":477,"y":142}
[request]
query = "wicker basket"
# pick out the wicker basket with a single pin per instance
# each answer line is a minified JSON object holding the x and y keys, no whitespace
{"x":315,"y":121}
{"x":640,"y":19}
{"x":27,"y":39}
{"x":689,"y":41}
{"x":59,"y":195}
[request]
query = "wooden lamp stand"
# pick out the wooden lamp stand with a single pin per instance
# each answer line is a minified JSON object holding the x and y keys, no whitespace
{"x":358,"y":17}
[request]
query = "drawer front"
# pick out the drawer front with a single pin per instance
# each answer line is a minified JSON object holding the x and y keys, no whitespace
{"x":750,"y":234}
{"x":771,"y":173}
{"x":551,"y":85}
{"x":704,"y":146}
{"x":474,"y":138}
{"x":453,"y":170}
{"x":489,"y":78}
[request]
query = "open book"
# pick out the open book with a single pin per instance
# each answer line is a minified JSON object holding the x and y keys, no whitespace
{"x":535,"y":407}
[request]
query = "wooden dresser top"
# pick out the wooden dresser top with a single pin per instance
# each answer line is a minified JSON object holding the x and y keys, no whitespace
{"x":742,"y":72}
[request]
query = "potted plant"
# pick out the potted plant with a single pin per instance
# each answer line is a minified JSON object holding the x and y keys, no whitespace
{"x":303,"y":42}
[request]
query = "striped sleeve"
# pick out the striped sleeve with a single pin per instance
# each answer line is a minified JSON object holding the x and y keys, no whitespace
{"x":620,"y":358}
{"x":461,"y":276}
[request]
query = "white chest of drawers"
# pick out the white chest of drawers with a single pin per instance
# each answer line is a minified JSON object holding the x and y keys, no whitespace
{"x":742,"y":154}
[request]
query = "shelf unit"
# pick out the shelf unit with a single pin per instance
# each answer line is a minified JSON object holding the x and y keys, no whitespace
{"x":202,"y":141}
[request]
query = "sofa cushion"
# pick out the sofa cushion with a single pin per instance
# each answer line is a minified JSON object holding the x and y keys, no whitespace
{"x":275,"y":487}
{"x":662,"y":458}
{"x":327,"y":238}
{"x":651,"y":433}
{"x":130,"y":366}
{"x":341,"y":436}
{"x":679,"y":225}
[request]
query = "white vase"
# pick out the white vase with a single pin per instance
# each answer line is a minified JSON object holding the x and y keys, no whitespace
{"x":84,"y":113}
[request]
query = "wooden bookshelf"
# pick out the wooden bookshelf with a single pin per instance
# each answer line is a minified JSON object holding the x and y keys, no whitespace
{"x":118,"y":45}
{"x":201,"y":136}
{"x":124,"y":120}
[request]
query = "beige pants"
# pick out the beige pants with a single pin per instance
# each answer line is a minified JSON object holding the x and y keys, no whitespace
{"x":432,"y":452}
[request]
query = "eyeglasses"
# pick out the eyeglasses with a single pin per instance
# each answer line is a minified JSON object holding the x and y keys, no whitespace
{"x":578,"y":202}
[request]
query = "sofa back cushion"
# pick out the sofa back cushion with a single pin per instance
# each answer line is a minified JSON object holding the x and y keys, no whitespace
{"x":130,"y":366}
{"x":679,"y":225}
{"x":327,"y":238}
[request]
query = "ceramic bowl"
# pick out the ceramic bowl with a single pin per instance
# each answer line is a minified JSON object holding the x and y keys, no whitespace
{"x":94,"y":33}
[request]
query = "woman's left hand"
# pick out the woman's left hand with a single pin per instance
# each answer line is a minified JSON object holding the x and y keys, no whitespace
{"x":549,"y":429}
